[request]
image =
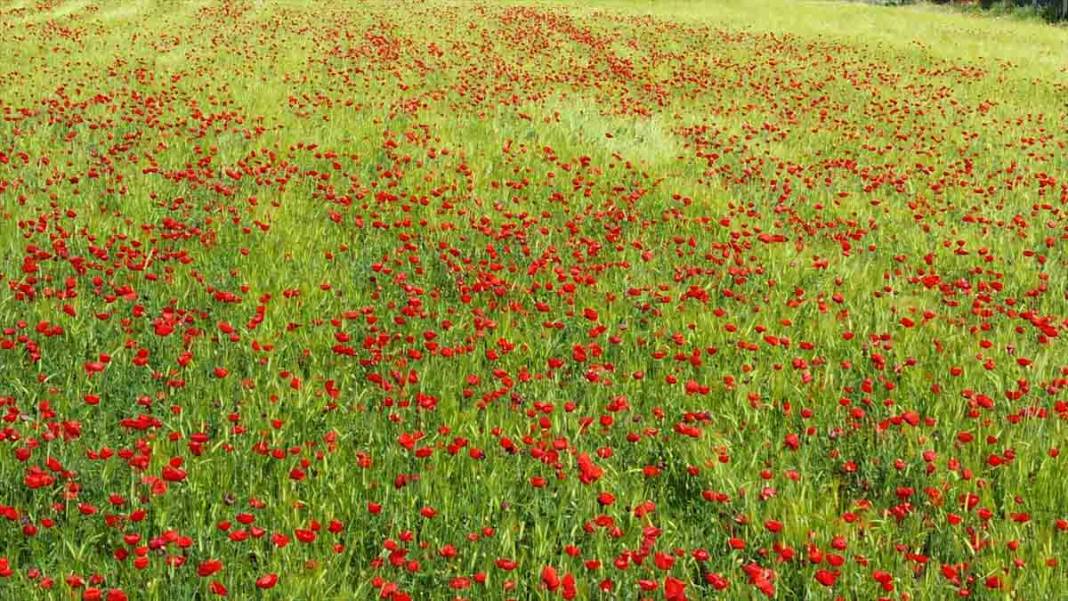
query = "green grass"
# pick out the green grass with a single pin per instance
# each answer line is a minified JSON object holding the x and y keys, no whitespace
{"x":585,"y":228}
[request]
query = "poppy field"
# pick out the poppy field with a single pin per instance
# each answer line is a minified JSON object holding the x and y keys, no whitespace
{"x":524,"y":300}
